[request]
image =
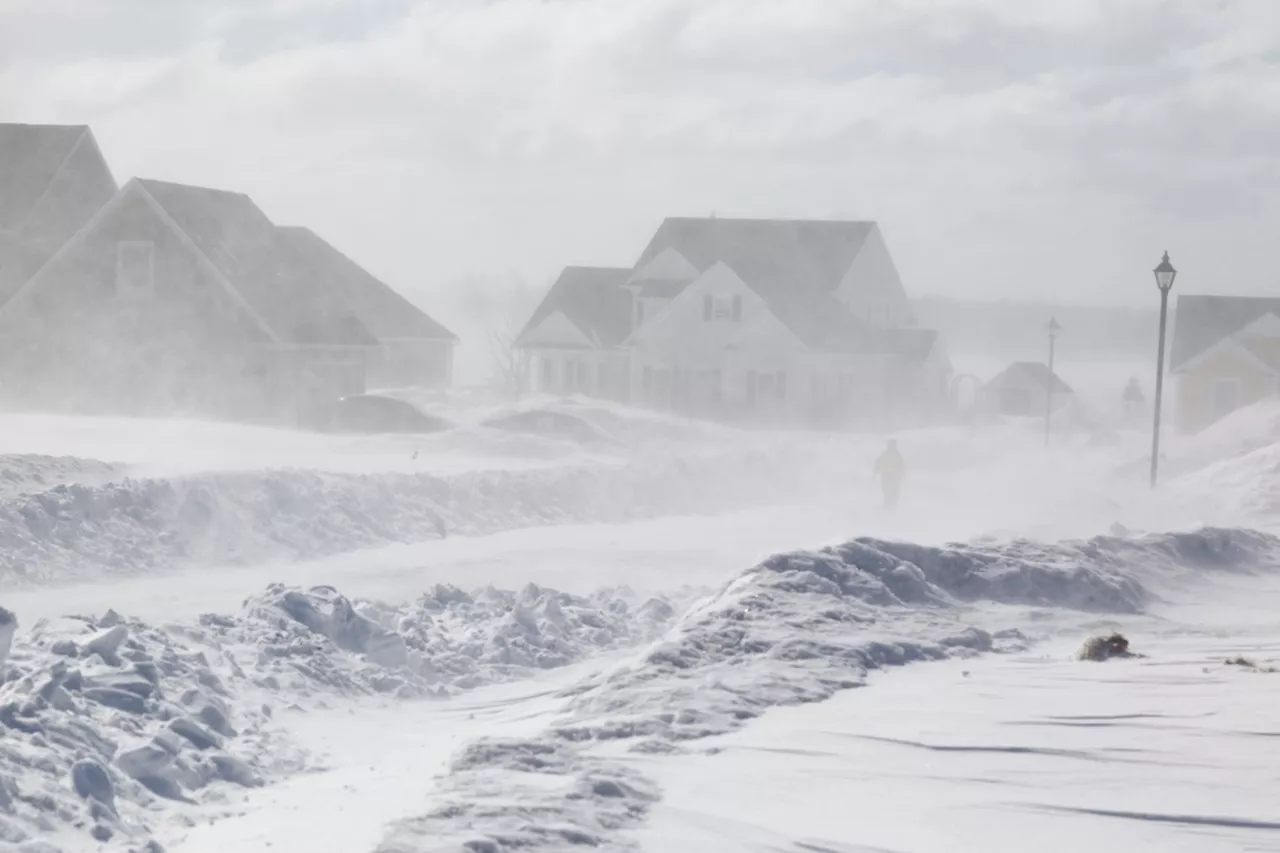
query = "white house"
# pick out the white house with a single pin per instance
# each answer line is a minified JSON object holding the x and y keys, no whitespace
{"x":769,"y":319}
{"x":1026,"y":388}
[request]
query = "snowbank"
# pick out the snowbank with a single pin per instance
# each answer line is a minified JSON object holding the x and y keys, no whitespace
{"x":236,"y":518}
{"x":108,"y":725}
{"x":797,"y":628}
{"x":32,"y":473}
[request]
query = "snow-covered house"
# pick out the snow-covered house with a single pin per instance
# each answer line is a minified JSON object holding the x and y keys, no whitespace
{"x":779,"y":319}
{"x":1026,"y":388}
{"x":1225,"y":354}
{"x":159,"y":297}
{"x":413,"y":349}
{"x":174,"y":298}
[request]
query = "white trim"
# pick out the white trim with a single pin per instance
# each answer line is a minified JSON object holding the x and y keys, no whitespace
{"x":1222,"y":346}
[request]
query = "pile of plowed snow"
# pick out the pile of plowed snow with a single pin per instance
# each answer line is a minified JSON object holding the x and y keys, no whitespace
{"x":797,"y":628}
{"x":238,"y":518}
{"x":104,"y":721}
{"x":27,"y":474}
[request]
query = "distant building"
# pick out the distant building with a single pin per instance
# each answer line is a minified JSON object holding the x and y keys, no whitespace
{"x":162,"y":298}
{"x":1026,"y":388}
{"x":777,"y":319}
{"x":1225,"y":354}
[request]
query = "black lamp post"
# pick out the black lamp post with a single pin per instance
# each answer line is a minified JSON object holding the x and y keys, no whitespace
{"x":1165,"y":274}
{"x":1054,"y":328}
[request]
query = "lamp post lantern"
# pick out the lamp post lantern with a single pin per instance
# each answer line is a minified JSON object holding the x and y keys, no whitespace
{"x":1054,"y":328}
{"x":1165,"y":274}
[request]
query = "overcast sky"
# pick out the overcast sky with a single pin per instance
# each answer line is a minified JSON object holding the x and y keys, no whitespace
{"x":1038,"y":148}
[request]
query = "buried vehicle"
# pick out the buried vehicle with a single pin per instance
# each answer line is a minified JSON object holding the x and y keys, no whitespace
{"x":374,"y":413}
{"x":549,"y":423}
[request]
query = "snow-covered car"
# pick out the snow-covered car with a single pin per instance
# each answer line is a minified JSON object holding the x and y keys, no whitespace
{"x":374,"y":413}
{"x":548,"y":423}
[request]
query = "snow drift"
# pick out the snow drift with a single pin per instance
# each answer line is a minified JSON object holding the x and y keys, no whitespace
{"x":794,"y":629}
{"x":137,"y":525}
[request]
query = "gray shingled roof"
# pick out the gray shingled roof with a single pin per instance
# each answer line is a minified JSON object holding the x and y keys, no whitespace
{"x":593,"y":299}
{"x":30,"y":157}
{"x":241,"y":242}
{"x":1202,"y":321}
{"x":384,"y":311}
{"x":795,"y":266}
{"x":1034,"y":371}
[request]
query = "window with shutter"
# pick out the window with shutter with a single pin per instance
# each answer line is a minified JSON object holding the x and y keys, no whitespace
{"x":707,"y":308}
{"x":737,"y":309}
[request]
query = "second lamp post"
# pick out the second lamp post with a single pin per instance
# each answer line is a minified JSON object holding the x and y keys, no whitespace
{"x":1050,"y":381}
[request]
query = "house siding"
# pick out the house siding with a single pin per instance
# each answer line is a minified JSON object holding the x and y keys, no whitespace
{"x":1195,"y":407}
{"x":180,"y":345}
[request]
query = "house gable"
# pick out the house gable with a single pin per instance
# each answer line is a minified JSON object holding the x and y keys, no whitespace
{"x":1266,"y":326}
{"x":593,"y":298}
{"x":1202,"y":321}
{"x":83,"y":270}
{"x":556,"y":330}
{"x":681,"y":331}
{"x":76,"y":296}
{"x":1228,"y":356}
{"x":871,"y":288}
{"x":667,"y":265}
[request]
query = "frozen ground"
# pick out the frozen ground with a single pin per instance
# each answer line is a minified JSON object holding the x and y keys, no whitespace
{"x":567,"y":724}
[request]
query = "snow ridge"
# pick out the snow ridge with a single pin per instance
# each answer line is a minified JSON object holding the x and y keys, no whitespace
{"x":797,"y":628}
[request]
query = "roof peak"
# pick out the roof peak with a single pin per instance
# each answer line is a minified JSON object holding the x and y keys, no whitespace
{"x":174,"y":185}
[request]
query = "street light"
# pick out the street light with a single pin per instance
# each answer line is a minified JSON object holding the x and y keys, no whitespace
{"x":1165,"y":274}
{"x":1054,"y":328}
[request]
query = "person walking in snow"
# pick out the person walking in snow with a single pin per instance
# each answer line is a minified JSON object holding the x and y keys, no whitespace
{"x":890,"y":469}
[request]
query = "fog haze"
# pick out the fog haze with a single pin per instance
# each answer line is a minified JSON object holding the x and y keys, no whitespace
{"x":1035,"y":150}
